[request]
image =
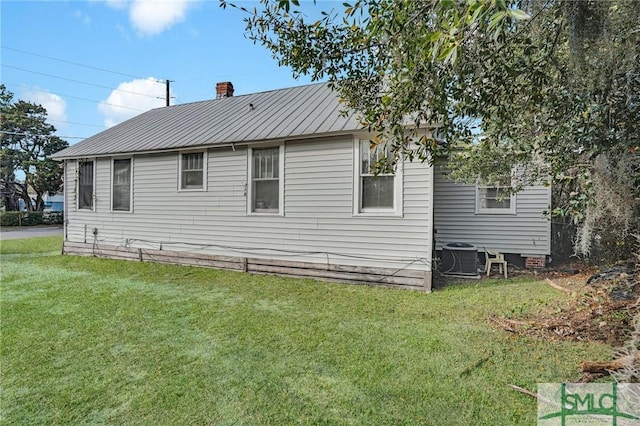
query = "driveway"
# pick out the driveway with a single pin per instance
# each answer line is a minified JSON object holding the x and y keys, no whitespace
{"x":14,"y":233}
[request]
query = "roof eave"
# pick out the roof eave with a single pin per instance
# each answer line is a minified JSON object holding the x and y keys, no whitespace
{"x":210,"y":146}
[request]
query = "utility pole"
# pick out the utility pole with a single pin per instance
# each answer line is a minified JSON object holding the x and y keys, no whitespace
{"x":167,"y":96}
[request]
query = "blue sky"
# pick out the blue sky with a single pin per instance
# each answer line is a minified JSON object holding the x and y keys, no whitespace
{"x":126,"y":45}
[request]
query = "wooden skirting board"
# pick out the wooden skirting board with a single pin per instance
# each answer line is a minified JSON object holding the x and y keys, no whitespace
{"x":387,"y":277}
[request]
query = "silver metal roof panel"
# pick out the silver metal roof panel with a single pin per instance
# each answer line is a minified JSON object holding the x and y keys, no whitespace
{"x":278,"y":114}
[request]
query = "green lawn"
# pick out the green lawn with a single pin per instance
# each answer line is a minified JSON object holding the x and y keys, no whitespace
{"x":94,"y":341}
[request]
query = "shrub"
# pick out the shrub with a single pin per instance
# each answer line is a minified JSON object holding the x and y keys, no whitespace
{"x":10,"y":218}
{"x":30,"y":218}
{"x":52,"y":218}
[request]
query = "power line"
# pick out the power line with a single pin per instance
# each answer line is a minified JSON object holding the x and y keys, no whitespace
{"x":4,"y":114}
{"x":76,"y":97}
{"x":82,"y":65}
{"x":32,"y":134}
{"x":73,"y":122}
{"x":77,"y":81}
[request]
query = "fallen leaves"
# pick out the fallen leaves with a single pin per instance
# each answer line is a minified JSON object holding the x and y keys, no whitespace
{"x":602,"y":311}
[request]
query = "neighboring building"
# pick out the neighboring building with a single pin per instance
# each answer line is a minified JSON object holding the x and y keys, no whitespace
{"x":272,"y":182}
{"x":54,"y":202}
{"x":479,"y":215}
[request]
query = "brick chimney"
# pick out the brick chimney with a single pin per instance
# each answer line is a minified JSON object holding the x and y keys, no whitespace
{"x":224,"y":89}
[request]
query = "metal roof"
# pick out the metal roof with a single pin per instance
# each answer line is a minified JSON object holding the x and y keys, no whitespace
{"x":277,"y":114}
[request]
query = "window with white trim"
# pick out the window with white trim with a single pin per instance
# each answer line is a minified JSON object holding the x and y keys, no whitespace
{"x":266,"y":183}
{"x":495,"y":199}
{"x":379,"y":188}
{"x":121,"y":185}
{"x":85,"y":184}
{"x":193,"y":172}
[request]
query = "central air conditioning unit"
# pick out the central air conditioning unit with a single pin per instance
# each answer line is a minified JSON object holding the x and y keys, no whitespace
{"x":460,"y":259}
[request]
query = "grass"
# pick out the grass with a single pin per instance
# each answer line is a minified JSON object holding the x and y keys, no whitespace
{"x":95,"y":341}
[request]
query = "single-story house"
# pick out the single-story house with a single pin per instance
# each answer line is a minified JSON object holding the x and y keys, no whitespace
{"x":278,"y":182}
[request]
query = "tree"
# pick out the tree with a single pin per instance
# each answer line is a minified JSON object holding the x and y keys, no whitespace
{"x":26,"y":142}
{"x":550,"y":89}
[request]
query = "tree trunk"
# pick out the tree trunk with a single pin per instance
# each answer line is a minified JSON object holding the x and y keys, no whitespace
{"x":9,"y":200}
{"x":39,"y":202}
{"x":10,"y":194}
{"x":24,"y":194}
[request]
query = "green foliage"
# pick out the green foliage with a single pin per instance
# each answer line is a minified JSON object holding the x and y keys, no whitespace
{"x":10,"y":218}
{"x":545,"y":87}
{"x":88,"y":341}
{"x":26,"y":142}
{"x":30,"y":218}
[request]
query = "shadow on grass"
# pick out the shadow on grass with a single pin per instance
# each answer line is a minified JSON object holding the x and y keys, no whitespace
{"x":448,"y":283}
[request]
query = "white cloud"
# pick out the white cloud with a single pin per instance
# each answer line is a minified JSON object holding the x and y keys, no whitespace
{"x":152,"y":17}
{"x":132,"y":98}
{"x":117,"y":4}
{"x":123,"y":31}
{"x":83,"y":17}
{"x":55,"y":105}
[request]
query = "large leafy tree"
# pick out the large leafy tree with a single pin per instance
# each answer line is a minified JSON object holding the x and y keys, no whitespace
{"x":545,"y":87}
{"x":26,"y":142}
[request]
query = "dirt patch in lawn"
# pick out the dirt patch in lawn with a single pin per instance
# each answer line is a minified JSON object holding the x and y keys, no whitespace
{"x":601,"y":308}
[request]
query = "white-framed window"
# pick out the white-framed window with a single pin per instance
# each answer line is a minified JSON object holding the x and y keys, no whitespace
{"x":86,"y":184}
{"x":193,"y":171}
{"x":122,"y":184}
{"x":495,"y":199}
{"x":378,"y":188}
{"x":266,"y":180}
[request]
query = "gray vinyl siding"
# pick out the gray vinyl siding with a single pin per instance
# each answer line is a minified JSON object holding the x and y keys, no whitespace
{"x":77,"y":218}
{"x":318,"y":224}
{"x":527,"y":232}
{"x":69,"y":187}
